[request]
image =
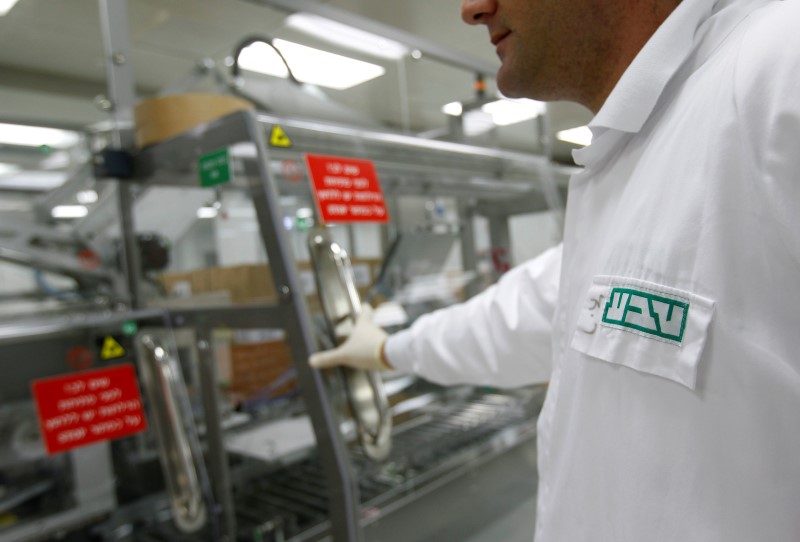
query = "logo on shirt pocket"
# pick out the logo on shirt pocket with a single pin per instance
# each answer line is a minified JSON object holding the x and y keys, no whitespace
{"x":649,"y":327}
{"x":647,"y":313}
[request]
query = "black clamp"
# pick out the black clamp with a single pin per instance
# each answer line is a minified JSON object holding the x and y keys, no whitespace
{"x":114,"y":163}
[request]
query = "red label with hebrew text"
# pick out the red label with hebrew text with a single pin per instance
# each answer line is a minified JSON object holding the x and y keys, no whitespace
{"x":88,"y":407}
{"x":346,"y":189}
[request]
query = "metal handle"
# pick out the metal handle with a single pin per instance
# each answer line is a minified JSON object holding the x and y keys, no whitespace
{"x":168,"y":397}
{"x":341,"y":306}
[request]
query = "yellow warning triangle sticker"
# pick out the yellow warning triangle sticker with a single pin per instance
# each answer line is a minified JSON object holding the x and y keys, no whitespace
{"x":278,"y":138}
{"x":111,"y":349}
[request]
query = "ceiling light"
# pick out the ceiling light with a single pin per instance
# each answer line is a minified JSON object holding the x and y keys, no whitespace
{"x":477,"y":122}
{"x":309,"y":65}
{"x":505,"y":111}
{"x":346,"y":36}
{"x":69,"y":211}
{"x":6,"y":169}
{"x":86,"y":196}
{"x":206,"y":212}
{"x":304,"y":212}
{"x":580,"y":136}
{"x":33,"y":180}
{"x":6,"y":5}
{"x":453,"y":108}
{"x":260,"y":57}
{"x":36,"y":136}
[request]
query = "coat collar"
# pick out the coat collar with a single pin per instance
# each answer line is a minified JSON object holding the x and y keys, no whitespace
{"x":692,"y":30}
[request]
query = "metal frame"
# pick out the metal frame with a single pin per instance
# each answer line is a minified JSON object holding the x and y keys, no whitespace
{"x":174,"y":163}
{"x":291,"y":313}
{"x":344,"y":500}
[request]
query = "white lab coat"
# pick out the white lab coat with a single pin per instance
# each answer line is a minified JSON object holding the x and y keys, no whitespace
{"x":673,"y":412}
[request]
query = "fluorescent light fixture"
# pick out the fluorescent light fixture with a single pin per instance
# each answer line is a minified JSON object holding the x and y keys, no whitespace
{"x":33,"y":180}
{"x":86,"y":196}
{"x":477,"y":122}
{"x":309,"y":65}
{"x":580,"y":135}
{"x":346,"y":36}
{"x":69,"y":211}
{"x":6,"y":169}
{"x":206,"y":212}
{"x":6,"y":5}
{"x":36,"y":136}
{"x":505,"y":111}
{"x":453,"y":108}
{"x":304,"y":212}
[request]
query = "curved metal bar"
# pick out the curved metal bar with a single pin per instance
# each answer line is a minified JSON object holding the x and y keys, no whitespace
{"x":341,"y":305}
{"x":167,"y":395}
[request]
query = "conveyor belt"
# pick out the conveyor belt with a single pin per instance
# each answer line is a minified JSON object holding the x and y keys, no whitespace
{"x":293,"y":501}
{"x":291,"y":504}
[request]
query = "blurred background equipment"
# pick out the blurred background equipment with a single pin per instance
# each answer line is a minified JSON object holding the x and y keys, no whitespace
{"x":164,"y":227}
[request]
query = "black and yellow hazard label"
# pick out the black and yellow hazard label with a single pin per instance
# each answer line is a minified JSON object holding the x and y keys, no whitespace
{"x":111,"y":349}
{"x":278,"y":138}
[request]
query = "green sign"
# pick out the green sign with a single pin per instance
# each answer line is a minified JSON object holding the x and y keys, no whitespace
{"x":214,"y":168}
{"x":303,"y":224}
{"x":647,"y":313}
{"x":130,"y":328}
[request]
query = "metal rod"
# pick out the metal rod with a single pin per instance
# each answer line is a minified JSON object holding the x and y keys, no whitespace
{"x":469,"y":258}
{"x":116,"y":43}
{"x":217,"y":456}
{"x":344,"y":501}
{"x":404,"y":140}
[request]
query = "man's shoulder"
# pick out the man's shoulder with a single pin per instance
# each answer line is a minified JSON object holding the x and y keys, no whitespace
{"x":768,"y":58}
{"x":772,"y":32}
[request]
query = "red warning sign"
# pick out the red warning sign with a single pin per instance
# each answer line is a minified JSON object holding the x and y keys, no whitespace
{"x":346,"y":189}
{"x":89,"y":407}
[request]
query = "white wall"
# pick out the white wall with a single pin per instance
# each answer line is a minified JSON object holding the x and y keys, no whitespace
{"x":532,"y":234}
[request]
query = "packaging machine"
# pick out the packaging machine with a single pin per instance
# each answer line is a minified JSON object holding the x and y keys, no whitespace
{"x":300,"y":459}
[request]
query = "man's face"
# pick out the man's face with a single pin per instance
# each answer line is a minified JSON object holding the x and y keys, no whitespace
{"x":545,"y":46}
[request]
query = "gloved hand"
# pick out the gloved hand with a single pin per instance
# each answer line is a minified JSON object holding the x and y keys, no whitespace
{"x":363,"y":349}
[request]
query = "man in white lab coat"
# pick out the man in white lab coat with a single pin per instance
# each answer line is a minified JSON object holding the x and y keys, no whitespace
{"x":671,"y":313}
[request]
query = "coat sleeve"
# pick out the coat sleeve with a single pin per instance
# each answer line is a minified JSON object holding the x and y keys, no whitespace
{"x":767,"y":91}
{"x":501,"y":337}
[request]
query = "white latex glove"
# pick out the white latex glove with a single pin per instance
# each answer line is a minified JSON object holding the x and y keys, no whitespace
{"x":363,"y":349}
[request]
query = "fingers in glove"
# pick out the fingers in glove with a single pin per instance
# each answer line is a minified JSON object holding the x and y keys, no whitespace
{"x":325,"y":360}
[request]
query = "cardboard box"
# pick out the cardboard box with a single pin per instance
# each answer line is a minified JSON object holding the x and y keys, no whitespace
{"x":255,"y":366}
{"x":254,"y":284}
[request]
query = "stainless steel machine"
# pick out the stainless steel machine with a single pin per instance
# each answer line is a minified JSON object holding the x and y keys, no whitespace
{"x":331,"y":456}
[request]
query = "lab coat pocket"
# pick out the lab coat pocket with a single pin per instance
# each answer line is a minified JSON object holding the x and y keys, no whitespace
{"x":645,"y":326}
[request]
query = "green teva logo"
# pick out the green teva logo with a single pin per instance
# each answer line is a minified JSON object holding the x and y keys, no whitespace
{"x":651,"y":314}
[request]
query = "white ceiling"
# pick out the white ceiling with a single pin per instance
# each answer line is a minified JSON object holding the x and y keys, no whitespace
{"x":52,"y":67}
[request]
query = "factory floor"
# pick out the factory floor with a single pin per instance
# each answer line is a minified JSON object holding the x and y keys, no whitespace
{"x":493,"y":502}
{"x":514,"y":526}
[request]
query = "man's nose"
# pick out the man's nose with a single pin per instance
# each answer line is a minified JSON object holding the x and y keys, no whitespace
{"x":477,"y":11}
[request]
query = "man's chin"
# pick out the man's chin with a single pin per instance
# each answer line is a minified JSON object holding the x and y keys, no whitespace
{"x":510,"y":87}
{"x":511,"y":91}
